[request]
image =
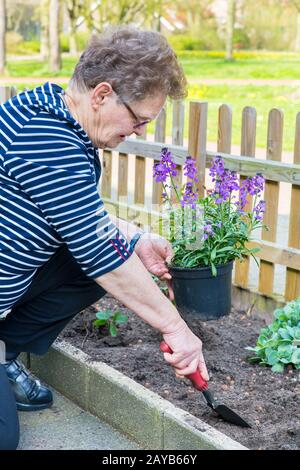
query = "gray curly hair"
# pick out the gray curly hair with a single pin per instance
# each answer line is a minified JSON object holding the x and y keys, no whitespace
{"x":137,"y":63}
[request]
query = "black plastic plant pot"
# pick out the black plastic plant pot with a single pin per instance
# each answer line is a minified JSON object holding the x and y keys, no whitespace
{"x":198,"y":293}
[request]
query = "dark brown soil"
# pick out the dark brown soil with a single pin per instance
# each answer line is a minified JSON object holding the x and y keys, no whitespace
{"x":269,"y":402}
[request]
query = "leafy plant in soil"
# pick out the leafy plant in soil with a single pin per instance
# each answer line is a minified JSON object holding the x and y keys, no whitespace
{"x":279,"y":343}
{"x":111,"y":320}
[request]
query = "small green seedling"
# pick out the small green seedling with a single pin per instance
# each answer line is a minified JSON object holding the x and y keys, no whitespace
{"x":110,"y":319}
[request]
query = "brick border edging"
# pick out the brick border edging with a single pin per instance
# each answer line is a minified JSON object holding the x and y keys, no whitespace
{"x":150,"y":420}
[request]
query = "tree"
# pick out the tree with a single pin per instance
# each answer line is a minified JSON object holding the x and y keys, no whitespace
{"x":121,"y":12}
{"x":2,"y":35}
{"x":102,"y":13}
{"x":54,"y":57}
{"x":231,"y":8}
{"x":75,"y":9}
{"x":44,"y":18}
{"x":194,"y":13}
{"x":296,"y":4}
{"x":272,"y":26}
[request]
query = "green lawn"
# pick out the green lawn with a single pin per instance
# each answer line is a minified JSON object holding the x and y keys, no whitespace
{"x":35,"y":68}
{"x":261,"y":98}
{"x":196,"y":65}
{"x":281,"y":67}
{"x":211,"y":65}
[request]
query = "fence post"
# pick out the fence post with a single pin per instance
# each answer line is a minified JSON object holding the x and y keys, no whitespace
{"x":292,"y":285}
{"x":106,"y":173}
{"x":177,"y":139}
{"x":197,"y":139}
{"x":274,"y":149}
{"x":140,"y":175}
{"x":160,"y":136}
{"x":247,"y":149}
{"x":7,"y":92}
{"x":122,"y":184}
{"x":224,"y":129}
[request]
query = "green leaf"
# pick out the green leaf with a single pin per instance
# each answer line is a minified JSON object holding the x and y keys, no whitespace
{"x":274,"y":326}
{"x":297,"y":334}
{"x":213,"y":254}
{"x":262,"y":340}
{"x":291,"y":331}
{"x":284,"y":333}
{"x":295,"y":359}
{"x":98,"y":323}
{"x":279,"y":314}
{"x":253,"y":359}
{"x":272,"y":357}
{"x":103,"y":315}
{"x":213,"y":269}
{"x":113,"y":329}
{"x":285,"y":350}
{"x":254,"y":250}
{"x":120,"y":318}
{"x":278,"y":367}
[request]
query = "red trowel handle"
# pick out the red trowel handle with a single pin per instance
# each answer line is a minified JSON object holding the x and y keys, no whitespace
{"x":197,"y":379}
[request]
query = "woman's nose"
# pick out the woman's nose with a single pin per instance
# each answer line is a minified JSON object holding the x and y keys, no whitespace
{"x":139,"y":131}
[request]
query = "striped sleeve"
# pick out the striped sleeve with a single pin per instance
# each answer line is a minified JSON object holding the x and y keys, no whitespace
{"x":58,"y":178}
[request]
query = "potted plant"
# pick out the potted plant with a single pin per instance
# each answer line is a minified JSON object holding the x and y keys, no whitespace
{"x":207,"y":233}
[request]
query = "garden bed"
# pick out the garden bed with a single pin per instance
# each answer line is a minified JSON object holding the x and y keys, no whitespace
{"x":269,"y":401}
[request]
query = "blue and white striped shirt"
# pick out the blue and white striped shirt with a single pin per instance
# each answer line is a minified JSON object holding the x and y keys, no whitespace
{"x":49,"y":172}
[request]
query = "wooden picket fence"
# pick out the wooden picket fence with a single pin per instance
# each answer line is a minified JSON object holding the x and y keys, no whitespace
{"x":133,"y":160}
{"x":273,"y":169}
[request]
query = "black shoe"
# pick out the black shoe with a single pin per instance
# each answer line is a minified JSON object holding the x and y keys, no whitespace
{"x":29,"y":393}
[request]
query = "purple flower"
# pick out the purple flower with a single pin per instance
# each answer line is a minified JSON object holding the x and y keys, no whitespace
{"x":166,"y":167}
{"x":252,"y":186}
{"x":190,"y":169}
{"x":226,"y":180}
{"x":190,"y":197}
{"x":208,"y":228}
{"x":259,"y":210}
{"x":225,"y":185}
{"x":208,"y":231}
{"x":256,"y":184}
{"x":217,"y":168}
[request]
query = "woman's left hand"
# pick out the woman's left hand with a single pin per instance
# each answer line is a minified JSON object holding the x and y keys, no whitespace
{"x":155,"y":252}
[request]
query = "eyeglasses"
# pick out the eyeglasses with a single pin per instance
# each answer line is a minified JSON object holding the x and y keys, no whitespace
{"x":139,"y":124}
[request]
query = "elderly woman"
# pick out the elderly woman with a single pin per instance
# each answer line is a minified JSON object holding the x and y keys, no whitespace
{"x":60,"y":251}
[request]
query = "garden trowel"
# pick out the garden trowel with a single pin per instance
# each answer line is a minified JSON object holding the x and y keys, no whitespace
{"x":200,"y":384}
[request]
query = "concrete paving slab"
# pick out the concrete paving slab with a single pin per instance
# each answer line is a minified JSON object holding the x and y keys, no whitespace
{"x":65,"y":426}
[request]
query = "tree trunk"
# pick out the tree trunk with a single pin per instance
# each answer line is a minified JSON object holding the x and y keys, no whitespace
{"x":2,"y":36}
{"x":230,"y":28}
{"x":44,"y":41}
{"x":297,"y":41}
{"x":55,"y":59}
{"x":72,"y":37}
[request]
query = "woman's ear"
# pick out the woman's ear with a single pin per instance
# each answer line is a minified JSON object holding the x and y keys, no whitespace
{"x":99,"y":93}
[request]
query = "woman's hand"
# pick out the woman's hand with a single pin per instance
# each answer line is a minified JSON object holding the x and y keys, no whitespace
{"x":155,"y":252}
{"x":187,"y":354}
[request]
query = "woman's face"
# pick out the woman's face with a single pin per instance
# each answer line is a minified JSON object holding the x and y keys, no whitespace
{"x":108,"y":121}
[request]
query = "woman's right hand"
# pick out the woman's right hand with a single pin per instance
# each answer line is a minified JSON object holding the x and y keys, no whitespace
{"x":187,"y":354}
